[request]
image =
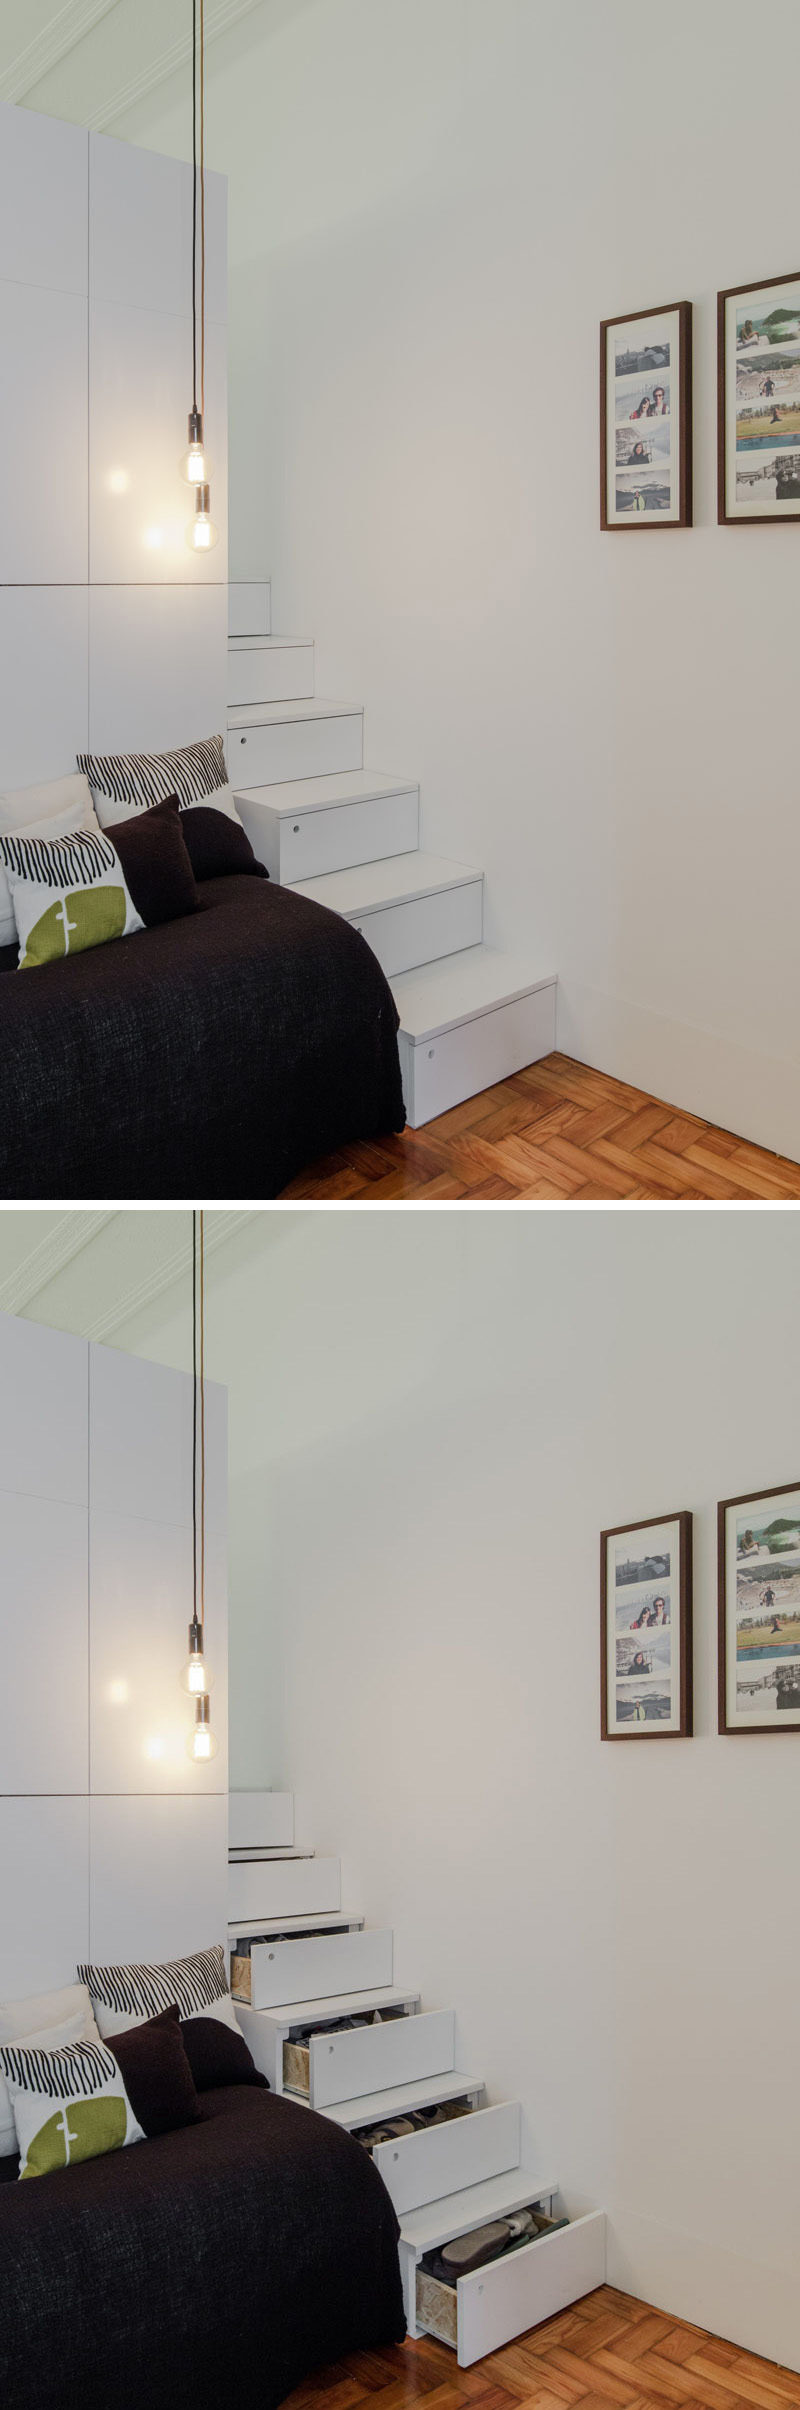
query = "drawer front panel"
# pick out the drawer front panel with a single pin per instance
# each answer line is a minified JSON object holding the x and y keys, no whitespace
{"x":442,"y":1072}
{"x":428,"y":926}
{"x":517,"y":2292}
{"x":442,"y":2159}
{"x":271,"y":674}
{"x":294,"y":749}
{"x":320,"y":1967}
{"x":348,"y":833}
{"x":371,"y":2058}
{"x":281,"y":1887}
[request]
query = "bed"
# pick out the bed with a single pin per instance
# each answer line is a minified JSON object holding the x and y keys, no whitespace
{"x":214,"y":1056}
{"x":220,"y":2263}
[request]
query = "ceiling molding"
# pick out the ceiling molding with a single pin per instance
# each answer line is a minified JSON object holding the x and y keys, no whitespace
{"x":72,"y":1232}
{"x":219,"y":15}
{"x":57,"y":37}
{"x":220,"y":1228}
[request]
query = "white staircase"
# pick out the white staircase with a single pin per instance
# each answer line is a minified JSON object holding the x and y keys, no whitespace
{"x":328,"y":2026}
{"x":348,"y":837}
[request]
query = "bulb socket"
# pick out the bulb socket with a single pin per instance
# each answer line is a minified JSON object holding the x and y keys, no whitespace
{"x":203,"y":499}
{"x":195,"y":1638}
{"x":202,"y":1713}
{"x":195,"y":426}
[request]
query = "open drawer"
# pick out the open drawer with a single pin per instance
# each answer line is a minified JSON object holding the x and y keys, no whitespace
{"x":507,"y":2296}
{"x":337,"y":2065}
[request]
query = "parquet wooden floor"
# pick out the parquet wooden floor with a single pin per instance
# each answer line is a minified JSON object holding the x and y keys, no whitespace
{"x":605,"y":2350}
{"x":558,"y":1130}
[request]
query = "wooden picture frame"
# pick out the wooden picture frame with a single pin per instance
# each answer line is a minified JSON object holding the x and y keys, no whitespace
{"x":758,"y":394}
{"x":639,"y":430}
{"x":649,"y":1592}
{"x":759,"y":1684}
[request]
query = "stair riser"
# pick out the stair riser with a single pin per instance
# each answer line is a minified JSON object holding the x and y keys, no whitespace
{"x":320,"y":1968}
{"x":262,"y":757}
{"x":282,"y":1887}
{"x":347,"y":2066}
{"x":260,"y":1820}
{"x":422,"y":930}
{"x":442,"y":1071}
{"x":423,"y":2167}
{"x":249,"y":607}
{"x":283,"y":674}
{"x":336,"y":839}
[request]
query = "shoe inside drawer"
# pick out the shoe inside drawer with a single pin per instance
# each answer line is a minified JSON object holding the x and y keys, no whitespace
{"x":480,"y":2312}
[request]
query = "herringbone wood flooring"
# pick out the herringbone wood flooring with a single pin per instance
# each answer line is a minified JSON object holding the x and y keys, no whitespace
{"x":606,"y":2350}
{"x":557,"y":1130}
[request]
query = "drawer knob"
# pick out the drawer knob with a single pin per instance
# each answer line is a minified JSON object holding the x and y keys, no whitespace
{"x":296,"y":829}
{"x":330,"y":2050}
{"x":271,"y":1955}
{"x":431,"y":1053}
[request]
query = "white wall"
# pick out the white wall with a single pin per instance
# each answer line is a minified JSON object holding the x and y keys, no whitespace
{"x":112,"y":632}
{"x":113,"y":1843}
{"x":433,"y":203}
{"x":433,"y":1416}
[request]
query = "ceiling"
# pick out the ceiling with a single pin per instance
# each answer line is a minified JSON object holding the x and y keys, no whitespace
{"x":95,"y":1272}
{"x":88,"y":60}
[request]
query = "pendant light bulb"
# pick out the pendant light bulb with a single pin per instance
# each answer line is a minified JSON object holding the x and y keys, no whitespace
{"x":195,"y":463}
{"x":202,"y":535}
{"x":201,"y":1743}
{"x":196,"y":1677}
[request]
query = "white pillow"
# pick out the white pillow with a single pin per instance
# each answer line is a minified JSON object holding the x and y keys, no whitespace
{"x":55,"y":810}
{"x":45,"y":2021}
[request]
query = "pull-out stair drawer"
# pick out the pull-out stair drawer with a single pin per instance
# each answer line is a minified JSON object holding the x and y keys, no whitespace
{"x":317,"y":1968}
{"x":426,"y":2166}
{"x":372,"y":2058}
{"x":511,"y":2294}
{"x":281,"y":1887}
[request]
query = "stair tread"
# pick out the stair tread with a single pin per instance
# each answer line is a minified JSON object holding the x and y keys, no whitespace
{"x":424,"y":2093}
{"x":442,"y":994}
{"x":292,"y":796}
{"x":337,"y":2004}
{"x":326,"y":1920}
{"x":244,"y":1853}
{"x":475,"y":2205}
{"x":269,"y":644}
{"x":303,"y":707}
{"x":397,"y":879}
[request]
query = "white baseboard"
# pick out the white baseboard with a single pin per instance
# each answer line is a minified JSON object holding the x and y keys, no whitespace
{"x":756,"y":1096}
{"x":736,"y":2296}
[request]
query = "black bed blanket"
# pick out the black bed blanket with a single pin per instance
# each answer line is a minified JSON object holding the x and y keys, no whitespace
{"x":217,"y":2265}
{"x":215,"y":1056}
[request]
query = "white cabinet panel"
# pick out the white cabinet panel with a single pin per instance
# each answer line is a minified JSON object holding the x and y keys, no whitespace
{"x":141,"y":1440}
{"x":43,"y":466}
{"x":140,"y":231}
{"x":158,"y":1869}
{"x":44,"y":1645}
{"x":140,"y":369}
{"x":43,"y":1393}
{"x":141,"y":1604}
{"x":158,"y":666}
{"x":43,"y":222}
{"x":44,"y":682}
{"x":44,"y":1888}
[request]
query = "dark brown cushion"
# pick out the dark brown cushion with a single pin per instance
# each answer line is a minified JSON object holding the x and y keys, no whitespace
{"x":217,"y":2055}
{"x":218,"y":847}
{"x":156,"y":2073}
{"x":156,"y":862}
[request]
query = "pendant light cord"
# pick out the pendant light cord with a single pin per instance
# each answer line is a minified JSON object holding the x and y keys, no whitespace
{"x":202,"y":228}
{"x":202,"y":1423}
{"x":194,"y":204}
{"x":194,"y":1417}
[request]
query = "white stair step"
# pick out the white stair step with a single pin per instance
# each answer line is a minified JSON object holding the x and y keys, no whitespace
{"x":440,"y":2159}
{"x":468,"y":1021}
{"x":269,"y":669}
{"x":305,"y":827}
{"x":411,"y":908}
{"x":333,"y":2006}
{"x":460,"y":2212}
{"x":315,"y":1967}
{"x":282,"y":1887}
{"x":249,"y":603}
{"x":396,"y":2100}
{"x":262,"y":1855}
{"x":269,"y":743}
{"x":261,"y":1927}
{"x":260,"y":1820}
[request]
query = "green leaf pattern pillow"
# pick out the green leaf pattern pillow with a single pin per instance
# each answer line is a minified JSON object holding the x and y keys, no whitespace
{"x":68,"y":893}
{"x":69,"y":2104}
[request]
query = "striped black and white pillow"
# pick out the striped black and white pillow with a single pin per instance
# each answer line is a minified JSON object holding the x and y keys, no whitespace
{"x":124,"y":785}
{"x":69,"y":2104}
{"x":122,"y":1996}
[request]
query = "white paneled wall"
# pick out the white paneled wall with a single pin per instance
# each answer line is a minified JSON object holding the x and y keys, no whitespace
{"x":105,"y":611}
{"x":112,"y":1842}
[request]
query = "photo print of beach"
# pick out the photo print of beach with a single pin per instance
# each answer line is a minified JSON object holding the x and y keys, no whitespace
{"x":644,"y":1647}
{"x":760,"y":1611}
{"x":760,"y":401}
{"x":641,"y":392}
